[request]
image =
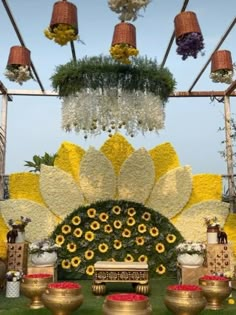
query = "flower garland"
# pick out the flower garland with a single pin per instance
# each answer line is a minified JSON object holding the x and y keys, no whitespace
{"x":19,"y":74}
{"x":127,"y":9}
{"x":62,"y":34}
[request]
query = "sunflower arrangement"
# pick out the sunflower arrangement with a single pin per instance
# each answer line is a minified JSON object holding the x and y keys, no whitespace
{"x":115,"y":231}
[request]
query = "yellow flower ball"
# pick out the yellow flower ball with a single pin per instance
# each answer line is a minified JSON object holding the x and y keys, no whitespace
{"x":231,"y":301}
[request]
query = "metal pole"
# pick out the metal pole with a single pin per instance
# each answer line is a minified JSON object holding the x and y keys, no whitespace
{"x":229,"y":154}
{"x":3,"y":143}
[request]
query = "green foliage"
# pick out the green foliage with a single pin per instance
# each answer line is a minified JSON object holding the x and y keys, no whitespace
{"x":104,"y":72}
{"x":45,"y":159}
{"x":65,"y":235}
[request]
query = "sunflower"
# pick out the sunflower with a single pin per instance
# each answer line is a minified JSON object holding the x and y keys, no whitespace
{"x":90,"y":270}
{"x":126,"y":233}
{"x":66,"y":264}
{"x":95,"y":225}
{"x":130,"y":221}
{"x":142,"y":228}
{"x":161,"y":269}
{"x":171,"y":238}
{"x":89,"y":254}
{"x":131,"y":212}
{"x":146,"y":216}
{"x":103,"y":217}
{"x":160,"y":248}
{"x":60,"y":239}
{"x":117,"y":224}
{"x":75,"y":261}
{"x":139,"y":240}
{"x":78,"y":232}
{"x":108,"y":228}
{"x":117,"y":244}
{"x":66,"y":229}
{"x":91,"y":212}
{"x":128,"y":258}
{"x":89,"y":236}
{"x":103,"y":248}
{"x":76,"y":220}
{"x":71,"y":247}
{"x":143,"y":258}
{"x":154,"y":231}
{"x":116,"y":210}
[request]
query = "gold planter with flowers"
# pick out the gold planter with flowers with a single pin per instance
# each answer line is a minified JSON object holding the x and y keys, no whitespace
{"x":184,"y":299}
{"x":62,"y":298}
{"x":33,"y":286}
{"x":215,"y":289}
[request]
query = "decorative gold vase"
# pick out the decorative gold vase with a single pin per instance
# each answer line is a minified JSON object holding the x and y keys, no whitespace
{"x":62,"y":301}
{"x":134,"y":304}
{"x":185,"y":302}
{"x":33,"y":286}
{"x":215,"y":292}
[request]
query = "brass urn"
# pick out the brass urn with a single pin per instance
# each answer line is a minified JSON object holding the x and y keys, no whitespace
{"x":33,"y":286}
{"x":185,"y":299}
{"x":215,"y":290}
{"x":126,"y":304}
{"x":62,"y":298}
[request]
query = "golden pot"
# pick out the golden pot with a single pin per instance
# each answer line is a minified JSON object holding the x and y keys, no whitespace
{"x":215,"y":292}
{"x":185,"y":302}
{"x":62,"y":301}
{"x":33,"y":288}
{"x":132,"y":306}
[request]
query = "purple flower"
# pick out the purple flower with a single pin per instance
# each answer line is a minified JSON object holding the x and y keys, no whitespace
{"x":189,"y":45}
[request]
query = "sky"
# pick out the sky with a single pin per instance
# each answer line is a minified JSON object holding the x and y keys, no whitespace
{"x":191,"y":124}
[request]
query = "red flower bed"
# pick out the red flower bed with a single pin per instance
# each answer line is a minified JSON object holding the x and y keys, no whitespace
{"x":64,"y":285}
{"x":126,"y":297}
{"x":184,"y":287}
{"x":38,"y":275}
{"x":211,"y":277}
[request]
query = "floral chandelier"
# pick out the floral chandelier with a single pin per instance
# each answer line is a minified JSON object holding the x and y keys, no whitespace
{"x":98,"y":94}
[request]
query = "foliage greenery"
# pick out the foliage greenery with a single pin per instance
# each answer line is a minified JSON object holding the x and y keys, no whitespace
{"x":115,"y":230}
{"x":46,"y":159}
{"x":102,"y":72}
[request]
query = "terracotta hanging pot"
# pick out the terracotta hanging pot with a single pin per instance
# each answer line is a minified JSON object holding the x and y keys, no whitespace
{"x":124,"y":33}
{"x":19,"y":55}
{"x":221,"y":60}
{"x":186,"y":22}
{"x":64,"y":13}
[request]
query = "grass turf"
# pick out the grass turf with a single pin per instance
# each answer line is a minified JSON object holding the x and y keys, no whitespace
{"x":93,"y":304}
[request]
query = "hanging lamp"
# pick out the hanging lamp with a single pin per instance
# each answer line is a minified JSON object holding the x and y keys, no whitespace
{"x":222,"y":67}
{"x":63,"y":26}
{"x":18,"y":64}
{"x":124,"y":42}
{"x":188,"y":35}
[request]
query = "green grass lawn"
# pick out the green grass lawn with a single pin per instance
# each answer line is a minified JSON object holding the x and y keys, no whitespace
{"x":93,"y":305}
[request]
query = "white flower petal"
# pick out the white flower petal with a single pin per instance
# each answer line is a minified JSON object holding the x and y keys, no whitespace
{"x":59,"y":190}
{"x":43,"y":221}
{"x":194,"y":217}
{"x":171,"y":192}
{"x":137,"y":177}
{"x":97,"y":177}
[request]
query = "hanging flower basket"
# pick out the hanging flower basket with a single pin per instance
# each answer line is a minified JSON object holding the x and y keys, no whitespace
{"x":18,"y":65}
{"x":124,"y":43}
{"x":127,"y":9}
{"x":222,"y":67}
{"x":188,"y":35}
{"x":100,"y":94}
{"x":64,"y":23}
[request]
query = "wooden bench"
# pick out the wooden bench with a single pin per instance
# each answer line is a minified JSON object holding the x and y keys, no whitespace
{"x":133,"y":272}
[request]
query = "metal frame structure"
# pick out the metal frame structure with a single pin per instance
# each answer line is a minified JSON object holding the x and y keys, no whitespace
{"x":7,"y":95}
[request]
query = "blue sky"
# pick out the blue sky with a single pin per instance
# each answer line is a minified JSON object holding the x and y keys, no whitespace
{"x":34,"y":123}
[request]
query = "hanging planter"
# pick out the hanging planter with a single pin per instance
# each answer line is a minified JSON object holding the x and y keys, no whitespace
{"x":18,"y":65}
{"x":64,"y":23}
{"x":222,"y":67}
{"x":127,"y":9}
{"x":124,"y":43}
{"x":188,"y":35}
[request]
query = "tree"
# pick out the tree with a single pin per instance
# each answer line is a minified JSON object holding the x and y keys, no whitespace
{"x":38,"y":160}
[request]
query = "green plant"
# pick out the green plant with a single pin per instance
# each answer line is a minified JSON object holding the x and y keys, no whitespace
{"x":46,"y":159}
